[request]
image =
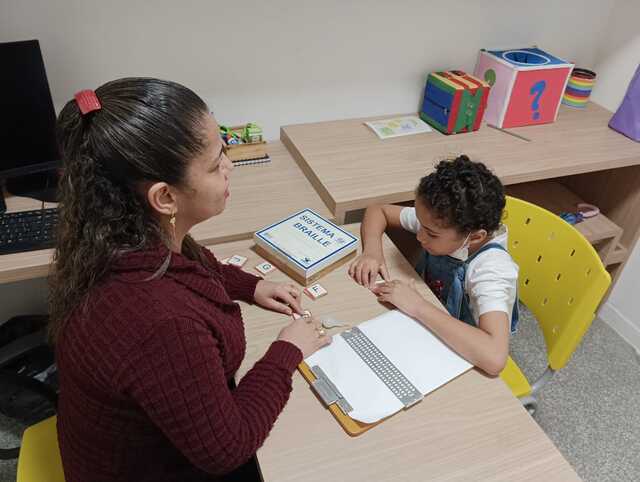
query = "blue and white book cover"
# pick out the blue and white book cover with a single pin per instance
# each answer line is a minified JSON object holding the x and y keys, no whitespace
{"x":307,"y":241}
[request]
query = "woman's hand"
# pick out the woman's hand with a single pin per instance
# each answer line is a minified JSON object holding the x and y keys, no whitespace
{"x":307,"y":334}
{"x":282,"y":297}
{"x":403,"y":295}
{"x":365,"y":268}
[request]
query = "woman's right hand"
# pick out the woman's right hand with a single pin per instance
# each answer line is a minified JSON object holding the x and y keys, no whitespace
{"x":307,"y":334}
{"x":365,"y":268}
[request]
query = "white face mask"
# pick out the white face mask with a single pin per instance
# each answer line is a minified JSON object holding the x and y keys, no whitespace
{"x":462,"y":253}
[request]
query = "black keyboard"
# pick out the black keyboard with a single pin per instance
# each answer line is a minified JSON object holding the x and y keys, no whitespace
{"x":27,"y":230}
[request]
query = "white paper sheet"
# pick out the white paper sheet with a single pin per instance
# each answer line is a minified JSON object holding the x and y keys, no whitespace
{"x":425,"y":360}
{"x":399,"y":126}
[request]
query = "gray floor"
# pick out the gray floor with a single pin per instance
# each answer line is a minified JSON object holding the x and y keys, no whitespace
{"x":9,"y":437}
{"x":589,"y":410}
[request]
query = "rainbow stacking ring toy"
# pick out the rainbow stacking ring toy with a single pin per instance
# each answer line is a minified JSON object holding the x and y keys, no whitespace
{"x":579,"y":87}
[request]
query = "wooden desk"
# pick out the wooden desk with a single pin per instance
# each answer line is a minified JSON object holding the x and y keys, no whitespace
{"x":470,"y":429}
{"x":351,"y":168}
{"x":32,"y":264}
{"x":259,"y":194}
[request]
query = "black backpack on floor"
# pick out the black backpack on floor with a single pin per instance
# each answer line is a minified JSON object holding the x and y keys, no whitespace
{"x":28,"y":376}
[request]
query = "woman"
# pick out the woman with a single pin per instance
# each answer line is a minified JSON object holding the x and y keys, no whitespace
{"x":148,"y":337}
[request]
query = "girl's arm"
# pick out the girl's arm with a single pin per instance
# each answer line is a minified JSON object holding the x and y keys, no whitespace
{"x":485,"y":346}
{"x":377,"y":218}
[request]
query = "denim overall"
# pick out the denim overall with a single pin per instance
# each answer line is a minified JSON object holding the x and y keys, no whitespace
{"x":445,"y":276}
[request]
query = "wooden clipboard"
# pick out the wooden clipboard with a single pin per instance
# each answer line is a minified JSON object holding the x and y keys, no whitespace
{"x":351,"y":426}
{"x":394,"y":325}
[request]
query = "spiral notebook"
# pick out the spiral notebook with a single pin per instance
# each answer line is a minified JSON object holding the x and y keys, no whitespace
{"x":248,"y":162}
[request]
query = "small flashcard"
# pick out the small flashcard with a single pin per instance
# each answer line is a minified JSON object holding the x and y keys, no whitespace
{"x":296,"y":316}
{"x":315,"y":291}
{"x":265,"y":267}
{"x":224,"y":261}
{"x":237,"y":260}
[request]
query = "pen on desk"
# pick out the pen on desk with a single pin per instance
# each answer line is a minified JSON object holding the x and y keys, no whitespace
{"x":508,"y":132}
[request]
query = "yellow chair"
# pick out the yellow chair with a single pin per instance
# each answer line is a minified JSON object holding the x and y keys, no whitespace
{"x":562,"y":281}
{"x":39,"y":459}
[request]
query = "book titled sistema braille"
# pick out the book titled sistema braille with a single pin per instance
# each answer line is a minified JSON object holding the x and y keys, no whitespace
{"x":305,"y":245}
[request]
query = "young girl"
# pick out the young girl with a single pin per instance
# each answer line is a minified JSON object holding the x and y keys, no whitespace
{"x":456,"y":219}
{"x":148,"y":337}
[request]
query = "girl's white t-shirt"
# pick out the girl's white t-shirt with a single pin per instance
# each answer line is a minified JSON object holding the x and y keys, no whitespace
{"x":491,"y":279}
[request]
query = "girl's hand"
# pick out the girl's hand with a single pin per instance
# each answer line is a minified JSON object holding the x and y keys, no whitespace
{"x":282,"y":297}
{"x":403,"y":295}
{"x":365,"y":268}
{"x":307,"y":334}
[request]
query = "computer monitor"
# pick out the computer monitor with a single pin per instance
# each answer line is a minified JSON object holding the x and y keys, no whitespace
{"x":28,"y":152}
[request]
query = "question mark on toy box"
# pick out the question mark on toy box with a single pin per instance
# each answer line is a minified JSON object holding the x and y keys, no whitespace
{"x":536,"y":91}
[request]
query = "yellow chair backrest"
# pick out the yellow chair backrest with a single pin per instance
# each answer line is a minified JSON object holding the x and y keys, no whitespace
{"x":562,"y":279}
{"x":39,"y":459}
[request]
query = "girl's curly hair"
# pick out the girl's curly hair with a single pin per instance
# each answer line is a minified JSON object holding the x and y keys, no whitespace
{"x":464,"y":194}
{"x":146,"y":130}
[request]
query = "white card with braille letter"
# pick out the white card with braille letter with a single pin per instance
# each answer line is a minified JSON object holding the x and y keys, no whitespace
{"x":237,"y":260}
{"x":265,"y":267}
{"x":315,"y":291}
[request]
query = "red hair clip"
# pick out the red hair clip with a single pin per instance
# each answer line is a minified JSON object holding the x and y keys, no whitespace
{"x":87,"y":101}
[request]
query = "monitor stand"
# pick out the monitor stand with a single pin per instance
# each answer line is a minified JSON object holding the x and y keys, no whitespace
{"x":42,"y":186}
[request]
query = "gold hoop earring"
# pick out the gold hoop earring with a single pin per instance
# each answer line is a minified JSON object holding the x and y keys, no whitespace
{"x":172,"y":222}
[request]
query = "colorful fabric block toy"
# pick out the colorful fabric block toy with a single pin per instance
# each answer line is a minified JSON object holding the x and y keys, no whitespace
{"x":454,"y":101}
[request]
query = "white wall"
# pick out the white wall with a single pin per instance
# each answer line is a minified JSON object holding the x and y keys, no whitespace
{"x":622,"y":309}
{"x":281,"y":62}
{"x":617,"y":60}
